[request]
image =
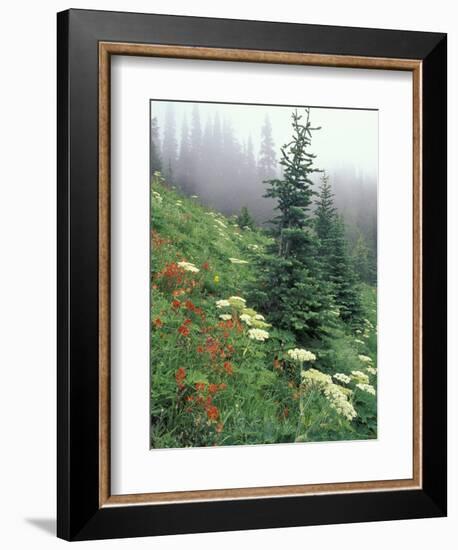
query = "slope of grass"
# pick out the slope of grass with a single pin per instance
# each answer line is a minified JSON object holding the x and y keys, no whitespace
{"x":221,"y":374}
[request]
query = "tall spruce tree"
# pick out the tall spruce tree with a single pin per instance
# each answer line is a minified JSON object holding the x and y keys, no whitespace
{"x":267,"y":164}
{"x":290,"y":284}
{"x":364,"y":261}
{"x":169,"y":144}
{"x":336,"y":263}
{"x":184,"y":159}
{"x":155,"y":147}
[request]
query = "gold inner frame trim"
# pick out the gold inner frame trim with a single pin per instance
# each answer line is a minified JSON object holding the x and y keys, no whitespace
{"x":106,"y":50}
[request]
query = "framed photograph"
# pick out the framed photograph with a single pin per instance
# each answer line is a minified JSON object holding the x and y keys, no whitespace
{"x":251,"y":274}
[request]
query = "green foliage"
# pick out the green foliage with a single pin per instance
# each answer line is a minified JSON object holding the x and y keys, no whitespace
{"x":336,"y":263}
{"x":290,"y":285}
{"x":364,"y":261}
{"x":244,"y":219}
{"x":211,"y":384}
{"x":155,"y":152}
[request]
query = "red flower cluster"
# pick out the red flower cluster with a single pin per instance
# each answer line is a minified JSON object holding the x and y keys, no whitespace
{"x":180,"y":376}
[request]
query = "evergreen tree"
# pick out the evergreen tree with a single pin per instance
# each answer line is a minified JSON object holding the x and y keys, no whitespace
{"x":267,"y":164}
{"x":155,"y":147}
{"x":291,"y":287}
{"x":184,"y":159}
{"x":169,"y":144}
{"x":244,"y":219}
{"x":364,"y":261}
{"x":337,"y":268}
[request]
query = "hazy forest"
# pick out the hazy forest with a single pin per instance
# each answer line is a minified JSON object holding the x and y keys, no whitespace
{"x":263,"y":274}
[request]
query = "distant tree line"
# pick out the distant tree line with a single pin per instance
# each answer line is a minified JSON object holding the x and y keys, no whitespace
{"x":209,"y":160}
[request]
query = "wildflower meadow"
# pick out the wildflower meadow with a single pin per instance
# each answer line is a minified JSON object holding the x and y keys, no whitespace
{"x":260,"y":332}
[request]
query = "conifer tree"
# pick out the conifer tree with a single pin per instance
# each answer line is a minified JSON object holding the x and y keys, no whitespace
{"x":169,"y":145}
{"x":291,"y":287}
{"x":244,"y":219}
{"x":336,"y":264}
{"x":155,"y":151}
{"x":184,"y":159}
{"x":364,"y":261}
{"x":267,"y":164}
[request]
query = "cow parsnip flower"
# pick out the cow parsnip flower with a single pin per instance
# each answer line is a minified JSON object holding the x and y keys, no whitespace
{"x":341,"y":377}
{"x":258,"y":334}
{"x":371,"y":370}
{"x":222,"y":303}
{"x":367,"y":388}
{"x":339,"y":402}
{"x":360,"y":377}
{"x":188,"y":266}
{"x":364,"y":358}
{"x":225,"y":316}
{"x":314,"y":376}
{"x":246,"y":318}
{"x":301,"y":355}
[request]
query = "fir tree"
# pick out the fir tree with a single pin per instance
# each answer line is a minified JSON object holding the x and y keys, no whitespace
{"x":155,"y":152}
{"x":336,"y":264}
{"x":267,"y":164}
{"x":184,"y":159}
{"x":169,"y":144}
{"x":244,"y":219}
{"x":292,"y":290}
{"x":363,"y":261}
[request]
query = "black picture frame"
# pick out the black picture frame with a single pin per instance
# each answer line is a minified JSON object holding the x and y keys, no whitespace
{"x":79,"y":515}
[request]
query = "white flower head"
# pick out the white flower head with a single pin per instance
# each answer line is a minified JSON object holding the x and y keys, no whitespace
{"x":222,"y":303}
{"x":188,"y":266}
{"x":366,"y":388}
{"x":301,"y":355}
{"x":258,"y":334}
{"x":237,"y":261}
{"x":364,"y":358}
{"x":341,"y":377}
{"x":225,"y":316}
{"x":246,"y":318}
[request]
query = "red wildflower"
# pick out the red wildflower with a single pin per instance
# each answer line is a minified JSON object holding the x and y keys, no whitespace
{"x":228,"y":368}
{"x":222,"y":386}
{"x":183,"y":330}
{"x":212,"y":413}
{"x":277,"y":364}
{"x":187,"y":322}
{"x":189,"y":305}
{"x":205,"y":266}
{"x":213,"y":388}
{"x":200,"y":386}
{"x":200,"y":349}
{"x":180,"y":375}
{"x":219,"y":427}
{"x":158,"y":323}
{"x":176,"y":304}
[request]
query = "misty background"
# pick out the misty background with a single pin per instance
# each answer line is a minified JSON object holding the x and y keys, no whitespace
{"x":224,"y":152}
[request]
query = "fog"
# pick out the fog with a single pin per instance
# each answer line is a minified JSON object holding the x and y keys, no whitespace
{"x":216,"y":151}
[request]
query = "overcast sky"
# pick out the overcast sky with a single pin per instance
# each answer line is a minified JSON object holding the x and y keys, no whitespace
{"x":348,"y":138}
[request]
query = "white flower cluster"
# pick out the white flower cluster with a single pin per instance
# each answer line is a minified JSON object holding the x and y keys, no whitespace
{"x":360,"y":377}
{"x":253,"y":247}
{"x":258,"y":334}
{"x":220,"y":223}
{"x":237,"y":261}
{"x":188,"y":266}
{"x":246,"y":318}
{"x":222,"y":303}
{"x":367,"y":388}
{"x":358,"y":341}
{"x":371,"y":370}
{"x":364,"y":358}
{"x":314,"y":376}
{"x":225,"y":316}
{"x":157,"y":196}
{"x":237,"y":301}
{"x":259,"y":317}
{"x":301,"y":355}
{"x":341,"y":377}
{"x":339,"y":402}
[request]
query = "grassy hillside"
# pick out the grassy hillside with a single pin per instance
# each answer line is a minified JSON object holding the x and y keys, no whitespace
{"x":221,"y":374}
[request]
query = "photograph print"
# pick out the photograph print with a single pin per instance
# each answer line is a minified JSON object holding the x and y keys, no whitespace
{"x":263,"y":274}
